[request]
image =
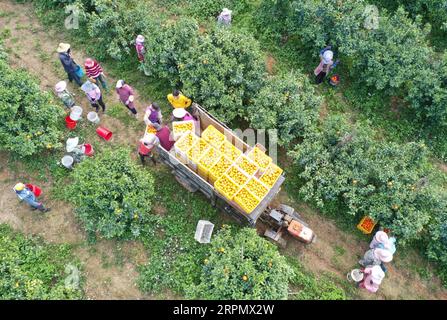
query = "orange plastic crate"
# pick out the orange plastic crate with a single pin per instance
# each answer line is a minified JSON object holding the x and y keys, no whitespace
{"x":366,"y":225}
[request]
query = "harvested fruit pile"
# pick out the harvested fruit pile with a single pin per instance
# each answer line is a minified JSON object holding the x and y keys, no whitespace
{"x":213,"y":136}
{"x":246,"y":200}
{"x":271,"y":175}
{"x":247,"y":165}
{"x":179,"y":128}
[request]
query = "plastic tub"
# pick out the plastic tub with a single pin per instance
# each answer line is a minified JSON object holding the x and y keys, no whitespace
{"x":104,"y":133}
{"x":76,"y":113}
{"x":67,"y":162}
{"x":70,"y":123}
{"x":88,"y":150}
{"x":93,"y":117}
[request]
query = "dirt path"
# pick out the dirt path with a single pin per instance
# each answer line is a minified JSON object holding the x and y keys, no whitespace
{"x":110,"y":266}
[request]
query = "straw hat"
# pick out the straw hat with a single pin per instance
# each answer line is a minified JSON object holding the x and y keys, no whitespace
{"x":60,"y":86}
{"x":63,"y":47}
{"x":179,"y":113}
{"x":72,"y":143}
{"x":140,"y":39}
{"x":119,"y":84}
{"x":19,"y":187}
{"x":383,"y":255}
{"x":328,"y":56}
{"x":226,"y":12}
{"x":89,"y":62}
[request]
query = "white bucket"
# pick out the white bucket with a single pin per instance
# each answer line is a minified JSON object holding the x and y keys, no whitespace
{"x":355,"y":275}
{"x":93,"y":117}
{"x":67,"y":162}
{"x":76,"y":113}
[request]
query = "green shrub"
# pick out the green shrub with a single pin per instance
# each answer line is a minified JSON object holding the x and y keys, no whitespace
{"x":288,"y":103}
{"x":33,"y":270}
{"x":29,"y":121}
{"x":242,"y":265}
{"x":345,"y":165}
{"x":112,"y":195}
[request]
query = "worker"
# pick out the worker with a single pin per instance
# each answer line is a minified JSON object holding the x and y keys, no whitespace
{"x":380,"y":240}
{"x":178,"y":100}
{"x":70,"y":66}
{"x":76,"y":150}
{"x":164,"y":135}
{"x":63,"y":94}
{"x":153,"y":114}
{"x":94,"y":95}
{"x":181,"y":115}
{"x":95,"y":72}
{"x":373,"y":277}
{"x":376,"y":256}
{"x":126,"y":96}
{"x":224,"y":18}
{"x":139,"y":46}
{"x":147,"y":144}
{"x":29,"y":197}
{"x":326,"y":64}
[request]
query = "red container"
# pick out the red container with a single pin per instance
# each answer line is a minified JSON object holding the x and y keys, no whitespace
{"x":104,"y":133}
{"x":34,"y":189}
{"x":88,"y":150}
{"x":70,"y":123}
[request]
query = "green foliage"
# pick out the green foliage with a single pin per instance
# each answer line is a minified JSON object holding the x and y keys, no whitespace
{"x":288,"y":103}
{"x":212,"y":8}
{"x":112,"y":195}
{"x":242,"y":265}
{"x":343,"y":164}
{"x":33,"y":270}
{"x":29,"y":121}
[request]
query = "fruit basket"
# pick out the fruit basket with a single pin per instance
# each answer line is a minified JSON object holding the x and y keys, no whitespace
{"x":246,"y":200}
{"x":247,"y":165}
{"x":151,"y":129}
{"x":218,"y":169}
{"x":196,"y":152}
{"x":179,"y":128}
{"x":230,"y":151}
{"x":257,"y":188}
{"x":226,"y":187}
{"x":271,"y":175}
{"x":260,"y":158}
{"x":183,"y":145}
{"x":366,"y":225}
{"x":237,"y":175}
{"x":208,"y":159}
{"x":213,"y":136}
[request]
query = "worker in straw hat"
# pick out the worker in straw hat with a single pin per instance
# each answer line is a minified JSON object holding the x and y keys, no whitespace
{"x":28,"y":196}
{"x":376,"y":256}
{"x":147,"y":144}
{"x":70,"y":66}
{"x":181,"y":115}
{"x":62,"y":92}
{"x":95,"y":73}
{"x":224,"y":18}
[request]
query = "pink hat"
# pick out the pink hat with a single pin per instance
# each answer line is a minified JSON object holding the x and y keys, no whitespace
{"x":60,"y":86}
{"x":140,"y":39}
{"x":383,"y":255}
{"x":89,"y":62}
{"x":381,"y":237}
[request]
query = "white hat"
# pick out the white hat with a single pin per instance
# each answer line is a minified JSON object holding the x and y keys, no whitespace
{"x":72,"y":143}
{"x":381,"y":237}
{"x":150,"y":138}
{"x":328,"y":56}
{"x":63,"y":47}
{"x":60,"y":86}
{"x":140,"y":39}
{"x":383,"y":254}
{"x":179,"y":113}
{"x":119,"y":84}
{"x":226,"y":12}
{"x":377,"y":274}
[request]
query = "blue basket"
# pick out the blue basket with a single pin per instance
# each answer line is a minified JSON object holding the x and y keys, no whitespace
{"x":79,"y":72}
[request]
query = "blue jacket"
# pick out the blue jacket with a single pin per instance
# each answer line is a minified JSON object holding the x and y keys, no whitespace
{"x":67,"y":62}
{"x":29,"y":197}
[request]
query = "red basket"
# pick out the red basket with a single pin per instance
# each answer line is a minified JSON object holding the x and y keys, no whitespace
{"x":70,"y":123}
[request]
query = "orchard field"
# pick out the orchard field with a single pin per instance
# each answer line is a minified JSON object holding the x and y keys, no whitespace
{"x":375,"y":145}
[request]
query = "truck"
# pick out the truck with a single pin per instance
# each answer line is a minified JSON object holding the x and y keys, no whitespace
{"x":280,"y":220}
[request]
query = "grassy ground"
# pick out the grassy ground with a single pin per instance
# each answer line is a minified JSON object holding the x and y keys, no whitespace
{"x":112,"y":267}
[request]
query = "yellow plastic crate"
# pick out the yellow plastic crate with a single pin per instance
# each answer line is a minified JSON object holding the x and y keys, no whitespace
{"x":366,"y":225}
{"x":247,"y":165}
{"x":246,"y":200}
{"x":260,"y":158}
{"x":179,"y":128}
{"x":183,"y":145}
{"x":226,"y":187}
{"x":208,"y":159}
{"x":218,"y":169}
{"x":271,"y":175}
{"x":237,"y":175}
{"x":230,"y":151}
{"x":257,"y":188}
{"x":197,"y":150}
{"x":213,"y":136}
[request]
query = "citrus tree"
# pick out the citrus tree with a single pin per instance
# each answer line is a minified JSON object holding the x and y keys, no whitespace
{"x":287,"y":103}
{"x":242,"y":265}
{"x":112,"y":195}
{"x":29,"y":120}
{"x":343,"y":167}
{"x":33,"y":270}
